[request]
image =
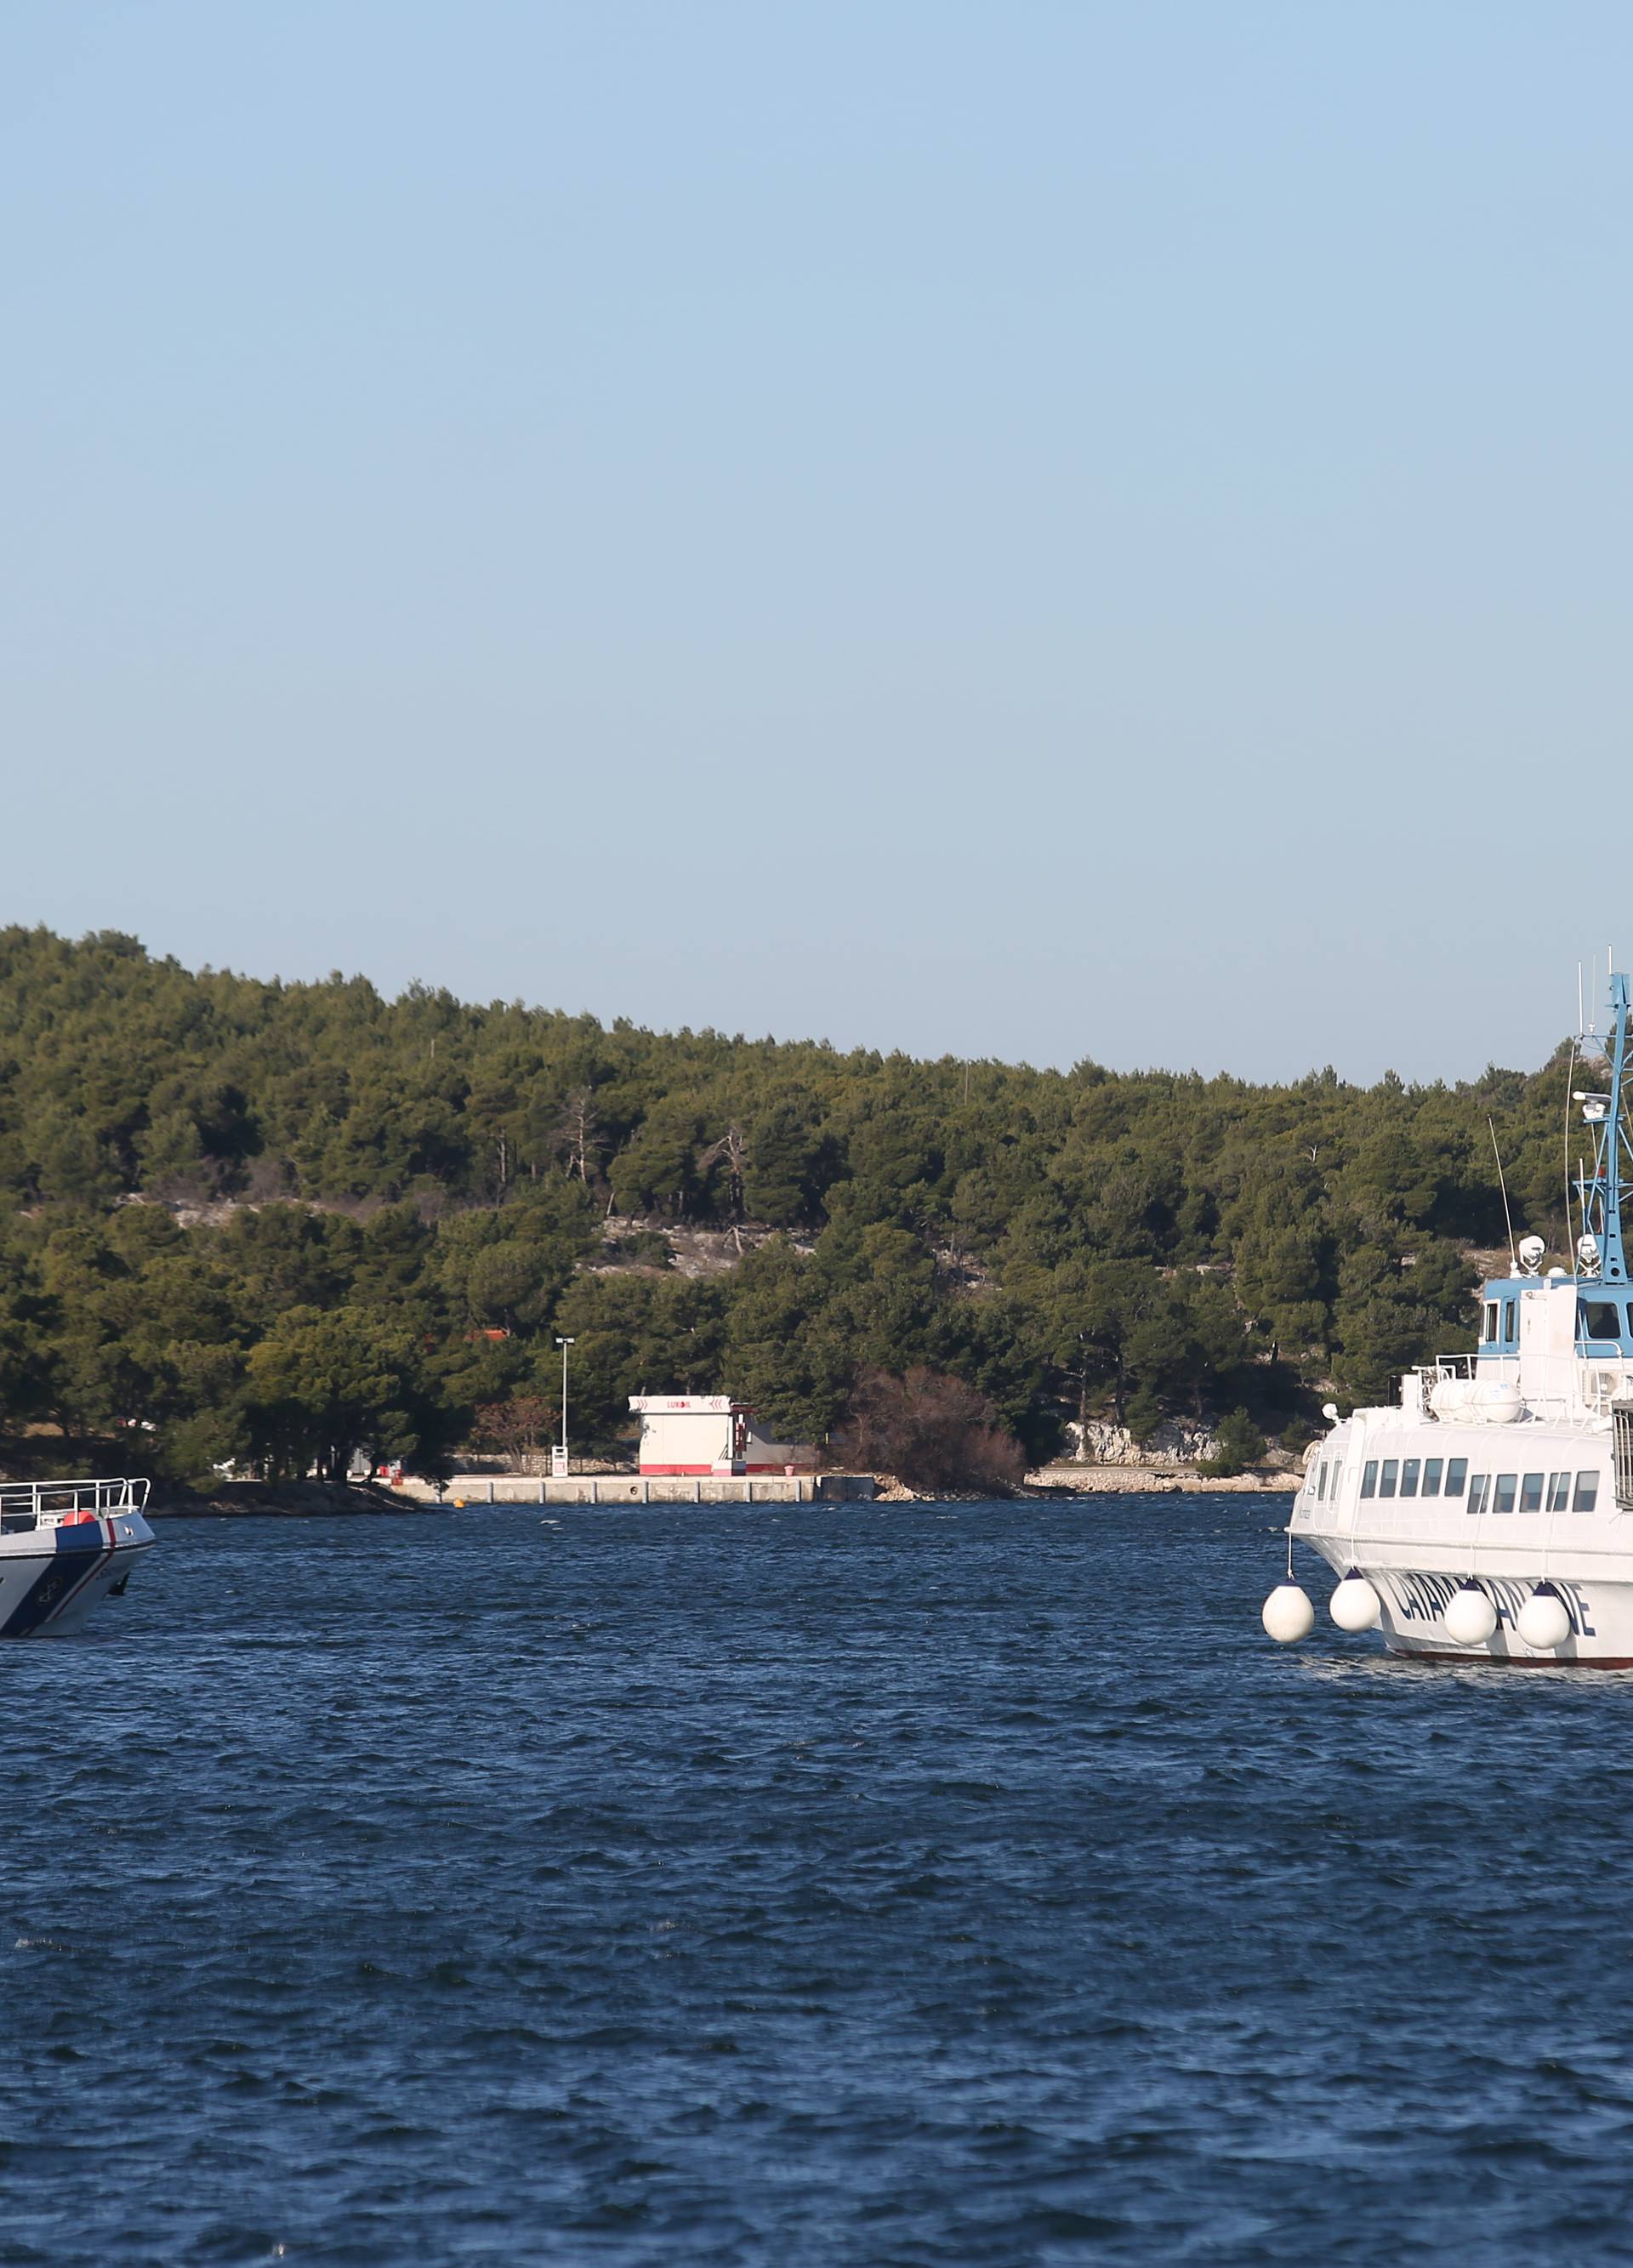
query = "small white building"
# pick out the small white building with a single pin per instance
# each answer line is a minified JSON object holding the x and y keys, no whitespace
{"x":706,"y":1433}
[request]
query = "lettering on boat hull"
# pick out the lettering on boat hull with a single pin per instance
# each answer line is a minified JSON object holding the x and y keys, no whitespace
{"x":1424,"y":1599}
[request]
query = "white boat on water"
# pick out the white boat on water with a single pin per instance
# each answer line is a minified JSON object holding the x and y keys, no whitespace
{"x":1489,"y":1516}
{"x":64,"y":1545}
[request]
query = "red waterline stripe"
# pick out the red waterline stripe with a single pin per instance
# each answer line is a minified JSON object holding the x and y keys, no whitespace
{"x":1512,"y":1661}
{"x":708,"y":1473}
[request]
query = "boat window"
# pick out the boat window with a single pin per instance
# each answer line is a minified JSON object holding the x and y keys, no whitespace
{"x":1507,"y":1488}
{"x":1601,"y":1320}
{"x":1431,"y":1475}
{"x":1369,"y":1477}
{"x":1338,"y":1469}
{"x":1490,"y":1331}
{"x":1510,"y":1319}
{"x":1559,"y":1491}
{"x":1386,"y":1479}
{"x":1587,"y":1492}
{"x":1531,"y":1493}
{"x":1477,"y":1488}
{"x":1408,"y":1476}
{"x":1457,"y":1473}
{"x":1322,"y":1482}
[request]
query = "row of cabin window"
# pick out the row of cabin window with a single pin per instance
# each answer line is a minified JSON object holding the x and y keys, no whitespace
{"x":1496,"y":1491}
{"x":1486,"y":1491}
{"x":1413,"y":1476}
{"x":1598,"y":1320}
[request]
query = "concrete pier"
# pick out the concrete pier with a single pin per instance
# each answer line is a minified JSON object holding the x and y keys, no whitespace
{"x":473,"y":1491}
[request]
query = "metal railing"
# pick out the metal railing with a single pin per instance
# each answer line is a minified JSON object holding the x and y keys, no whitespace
{"x":47,"y":1504}
{"x":1621,"y":1453}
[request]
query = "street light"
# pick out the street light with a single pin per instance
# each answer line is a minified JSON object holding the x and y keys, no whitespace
{"x":561,"y":1458}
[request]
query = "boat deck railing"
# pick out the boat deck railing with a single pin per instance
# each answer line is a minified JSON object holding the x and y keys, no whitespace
{"x":47,"y":1504}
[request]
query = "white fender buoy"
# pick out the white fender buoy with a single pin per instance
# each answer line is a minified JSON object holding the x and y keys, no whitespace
{"x":1288,"y":1614}
{"x":1543,"y":1621}
{"x":1355,"y":1605}
{"x":1471,"y":1617}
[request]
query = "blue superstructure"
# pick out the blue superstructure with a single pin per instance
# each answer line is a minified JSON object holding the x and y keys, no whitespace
{"x":1604,"y":1322}
{"x":1499,"y":1314}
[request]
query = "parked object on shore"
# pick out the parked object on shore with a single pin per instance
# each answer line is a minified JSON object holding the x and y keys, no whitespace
{"x":64,"y":1545}
{"x":693,"y":1435}
{"x":1486,"y":1511}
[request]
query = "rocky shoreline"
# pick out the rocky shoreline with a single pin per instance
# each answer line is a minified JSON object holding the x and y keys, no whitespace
{"x":1146,"y":1480}
{"x":322,"y":1499}
{"x":281,"y":1500}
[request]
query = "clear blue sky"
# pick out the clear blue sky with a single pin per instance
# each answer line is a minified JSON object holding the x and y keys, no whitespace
{"x":1039,"y":529}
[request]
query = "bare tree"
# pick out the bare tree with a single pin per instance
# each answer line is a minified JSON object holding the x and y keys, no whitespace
{"x":517,"y":1429}
{"x":576,"y":1130}
{"x":733,"y":1148}
{"x":932,"y":1431}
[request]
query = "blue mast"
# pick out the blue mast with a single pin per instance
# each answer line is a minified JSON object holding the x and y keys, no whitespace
{"x":1599,"y":1193}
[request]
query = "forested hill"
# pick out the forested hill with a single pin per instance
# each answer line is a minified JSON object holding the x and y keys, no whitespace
{"x":422,"y":1191}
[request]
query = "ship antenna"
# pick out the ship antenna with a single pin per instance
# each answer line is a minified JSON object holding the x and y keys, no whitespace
{"x":1570,"y":1076}
{"x":1614,"y":1270}
{"x":1502,"y":1185}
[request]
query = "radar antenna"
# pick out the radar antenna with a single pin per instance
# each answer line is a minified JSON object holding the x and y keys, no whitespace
{"x":1508,"y":1217}
{"x":1599,"y":1191}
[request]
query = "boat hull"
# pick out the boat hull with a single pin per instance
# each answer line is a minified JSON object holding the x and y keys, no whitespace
{"x":53,"y":1579}
{"x":1597,"y":1593}
{"x":1414,"y":1602}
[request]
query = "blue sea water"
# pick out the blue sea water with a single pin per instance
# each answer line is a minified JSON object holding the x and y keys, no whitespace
{"x":919,"y":1884}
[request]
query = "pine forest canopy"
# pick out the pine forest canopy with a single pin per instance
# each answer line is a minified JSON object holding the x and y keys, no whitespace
{"x":420,"y":1188}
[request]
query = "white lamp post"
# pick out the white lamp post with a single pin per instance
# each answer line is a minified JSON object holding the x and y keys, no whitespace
{"x":559,"y":1459}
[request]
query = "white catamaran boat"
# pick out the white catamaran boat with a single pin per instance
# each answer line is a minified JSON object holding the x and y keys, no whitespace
{"x":64,"y":1545}
{"x":1489,"y":1518}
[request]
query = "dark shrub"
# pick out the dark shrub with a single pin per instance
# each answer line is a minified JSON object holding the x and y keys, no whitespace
{"x":933,"y":1432}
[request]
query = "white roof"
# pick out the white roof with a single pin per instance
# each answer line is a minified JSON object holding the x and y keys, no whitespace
{"x":718,"y":1405}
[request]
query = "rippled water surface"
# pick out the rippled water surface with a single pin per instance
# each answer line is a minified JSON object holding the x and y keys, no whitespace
{"x":899,"y":1884}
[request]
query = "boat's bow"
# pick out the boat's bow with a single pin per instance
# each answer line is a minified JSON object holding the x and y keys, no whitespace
{"x":64,"y":1545}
